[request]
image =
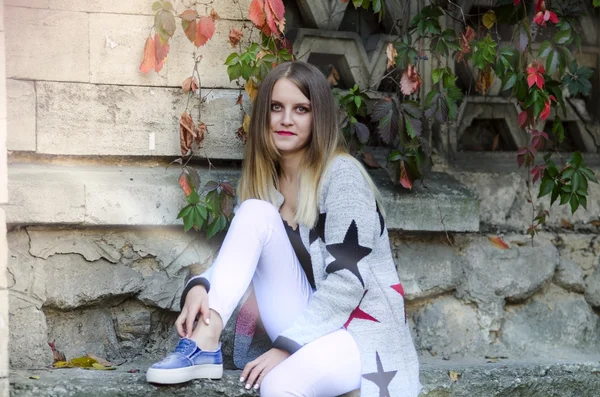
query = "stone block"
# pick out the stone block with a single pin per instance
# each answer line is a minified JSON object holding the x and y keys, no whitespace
{"x":225,"y":9}
{"x":496,"y":193}
{"x":592,"y":288}
{"x":47,"y":44}
{"x":26,"y":274}
{"x":2,"y":76}
{"x":213,"y":72}
{"x":28,"y":339}
{"x":73,"y":282}
{"x":448,"y":327}
{"x":122,"y":127}
{"x":4,"y":332}
{"x":133,"y":327}
{"x":3,"y":251}
{"x":3,"y":164}
{"x":27,"y":3}
{"x":569,"y":276}
{"x":426,"y":275}
{"x":579,"y":248}
{"x":550,"y":323}
{"x":515,"y":273}
{"x":21,"y":115}
{"x":65,"y":201}
{"x":116,"y":50}
{"x":77,"y":332}
{"x":443,"y":204}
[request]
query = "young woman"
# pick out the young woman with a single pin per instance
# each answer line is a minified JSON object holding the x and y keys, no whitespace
{"x":310,"y":237}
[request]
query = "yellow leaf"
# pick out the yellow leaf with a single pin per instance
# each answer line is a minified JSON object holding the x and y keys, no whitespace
{"x":455,"y":376}
{"x":489,"y":19}
{"x":34,"y":377}
{"x":252,"y":89}
{"x":102,"y":367}
{"x":246,"y":124}
{"x":83,"y":362}
{"x":62,"y":364}
{"x":99,"y":360}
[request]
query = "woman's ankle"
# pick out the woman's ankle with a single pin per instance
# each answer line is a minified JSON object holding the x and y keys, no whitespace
{"x":207,"y":336}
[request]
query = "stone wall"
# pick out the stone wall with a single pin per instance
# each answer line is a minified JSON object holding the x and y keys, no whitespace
{"x":4,"y":314}
{"x":97,"y":258}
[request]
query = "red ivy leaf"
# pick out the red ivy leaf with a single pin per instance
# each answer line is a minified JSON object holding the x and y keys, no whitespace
{"x":404,"y":177}
{"x":498,"y":243}
{"x":186,"y":185}
{"x":235,"y":35}
{"x":187,"y":133}
{"x":205,"y":29}
{"x":411,"y":80}
{"x":189,"y":84}
{"x":370,"y":161}
{"x":149,"y":59}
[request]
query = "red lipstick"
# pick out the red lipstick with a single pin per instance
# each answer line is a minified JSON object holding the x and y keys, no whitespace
{"x":285,"y":133}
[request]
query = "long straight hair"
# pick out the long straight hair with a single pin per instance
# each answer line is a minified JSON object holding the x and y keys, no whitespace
{"x":260,"y":167}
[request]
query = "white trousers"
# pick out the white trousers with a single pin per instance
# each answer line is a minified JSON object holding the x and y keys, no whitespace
{"x":257,"y":249}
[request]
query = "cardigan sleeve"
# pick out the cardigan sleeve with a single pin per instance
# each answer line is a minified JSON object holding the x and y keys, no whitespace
{"x":201,"y":279}
{"x":350,"y":226}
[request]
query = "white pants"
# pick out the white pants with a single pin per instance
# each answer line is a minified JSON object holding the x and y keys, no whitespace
{"x":257,"y":249}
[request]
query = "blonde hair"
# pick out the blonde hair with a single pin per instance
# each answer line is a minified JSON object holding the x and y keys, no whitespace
{"x":260,"y":168}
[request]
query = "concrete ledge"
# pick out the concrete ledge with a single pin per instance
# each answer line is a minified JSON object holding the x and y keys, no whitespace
{"x":115,"y":195}
{"x":515,"y":379}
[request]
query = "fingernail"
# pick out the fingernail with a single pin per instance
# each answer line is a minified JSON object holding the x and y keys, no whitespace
{"x":242,"y":379}
{"x":247,"y":386}
{"x":256,"y":386}
{"x":207,"y":321}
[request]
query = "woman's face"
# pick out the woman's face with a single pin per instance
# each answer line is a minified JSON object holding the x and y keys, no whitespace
{"x":291,"y":117}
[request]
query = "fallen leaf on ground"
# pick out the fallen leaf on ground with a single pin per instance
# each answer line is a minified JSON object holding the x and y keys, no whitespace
{"x":99,"y":360}
{"x":58,"y":356}
{"x":455,"y":376}
{"x":34,"y":377}
{"x":498,"y":242}
{"x":566,"y":224}
{"x":102,"y":367}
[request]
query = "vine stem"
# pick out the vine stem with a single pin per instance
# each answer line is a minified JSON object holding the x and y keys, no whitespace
{"x":528,"y":184}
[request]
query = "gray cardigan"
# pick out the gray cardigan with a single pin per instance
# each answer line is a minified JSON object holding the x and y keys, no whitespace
{"x":357,"y":285}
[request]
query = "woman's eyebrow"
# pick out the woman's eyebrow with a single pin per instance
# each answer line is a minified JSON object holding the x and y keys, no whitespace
{"x":308,"y":104}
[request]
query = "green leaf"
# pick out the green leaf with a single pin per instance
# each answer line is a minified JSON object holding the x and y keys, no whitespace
{"x":545,"y":49}
{"x":589,"y":174}
{"x":555,"y":193}
{"x":576,"y":159}
{"x":558,"y":129}
{"x":185,"y":211}
{"x":552,"y":61}
{"x":596,"y":3}
{"x":193,"y":197}
{"x":575,"y":182}
{"x":188,"y":222}
{"x":156,"y":6}
{"x":574,"y":203}
{"x":546,"y":187}
{"x":563,"y":37}
{"x":394,"y":155}
{"x":234,"y":71}
{"x":202,"y":211}
{"x":510,"y":82}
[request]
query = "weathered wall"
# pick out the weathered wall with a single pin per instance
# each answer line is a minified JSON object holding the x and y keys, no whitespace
{"x":3,"y":200}
{"x":97,"y":258}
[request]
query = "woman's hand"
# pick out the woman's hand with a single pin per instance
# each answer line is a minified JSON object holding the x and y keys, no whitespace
{"x":196,"y":302}
{"x":255,"y":371}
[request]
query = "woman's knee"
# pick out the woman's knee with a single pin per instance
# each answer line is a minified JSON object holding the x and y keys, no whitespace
{"x":277,"y":386}
{"x":253,"y":210}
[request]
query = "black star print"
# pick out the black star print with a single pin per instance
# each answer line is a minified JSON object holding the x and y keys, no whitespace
{"x":381,"y":378}
{"x":348,"y":253}
{"x":381,"y":221}
{"x":319,"y":230}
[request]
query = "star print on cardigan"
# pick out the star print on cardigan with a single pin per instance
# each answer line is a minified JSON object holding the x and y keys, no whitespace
{"x":381,"y":378}
{"x":381,"y":221}
{"x":348,"y":253}
{"x":399,"y":289}
{"x":319,"y":230}
{"x":359,"y":314}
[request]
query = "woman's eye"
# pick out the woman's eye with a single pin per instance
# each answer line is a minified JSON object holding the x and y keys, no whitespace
{"x":275,"y":107}
{"x":302,"y":109}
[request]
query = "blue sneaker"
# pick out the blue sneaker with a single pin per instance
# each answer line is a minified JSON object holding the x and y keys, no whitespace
{"x":187,"y":362}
